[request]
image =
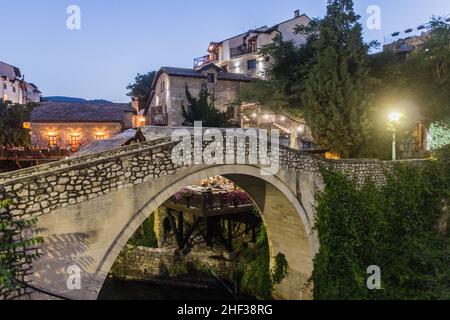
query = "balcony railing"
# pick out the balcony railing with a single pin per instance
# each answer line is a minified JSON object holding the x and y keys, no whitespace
{"x":33,"y":153}
{"x":201,"y":61}
{"x":241,"y":50}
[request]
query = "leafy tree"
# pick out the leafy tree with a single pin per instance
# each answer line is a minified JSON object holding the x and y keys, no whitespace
{"x":203,"y":109}
{"x":253,"y":270}
{"x":286,"y":69}
{"x":145,"y":235}
{"x":393,"y":227}
{"x":12,"y":117}
{"x":338,"y":96}
{"x":142,"y":88}
{"x":418,"y":85}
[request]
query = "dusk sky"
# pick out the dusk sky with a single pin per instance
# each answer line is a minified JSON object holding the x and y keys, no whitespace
{"x":121,"y":38}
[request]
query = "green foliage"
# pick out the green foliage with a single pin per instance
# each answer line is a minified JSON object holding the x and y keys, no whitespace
{"x":253,"y":271}
{"x":203,"y":109}
{"x":440,"y":133}
{"x":281,"y":269}
{"x":12,"y":117}
{"x":142,"y":88}
{"x":11,"y":255}
{"x":393,"y":227}
{"x":145,"y":235}
{"x":417,"y":85}
{"x":338,"y":96}
{"x":288,"y":68}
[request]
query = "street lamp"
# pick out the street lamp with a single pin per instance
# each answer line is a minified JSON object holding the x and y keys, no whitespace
{"x":394,"y":120}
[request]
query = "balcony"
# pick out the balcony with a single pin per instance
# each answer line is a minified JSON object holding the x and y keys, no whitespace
{"x":242,"y":50}
{"x":201,"y":61}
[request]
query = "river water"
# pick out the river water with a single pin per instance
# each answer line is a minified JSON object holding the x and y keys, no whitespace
{"x":115,"y":289}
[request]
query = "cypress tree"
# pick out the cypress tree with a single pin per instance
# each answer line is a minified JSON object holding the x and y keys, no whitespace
{"x":203,"y":109}
{"x":337,"y":96}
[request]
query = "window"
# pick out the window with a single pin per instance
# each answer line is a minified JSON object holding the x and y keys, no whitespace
{"x":14,"y":89}
{"x":230,"y":113}
{"x":163,"y":86}
{"x":5,"y":86}
{"x":211,"y":78}
{"x":99,"y":136}
{"x":251,"y":64}
{"x":52,"y":140}
{"x":75,"y":141}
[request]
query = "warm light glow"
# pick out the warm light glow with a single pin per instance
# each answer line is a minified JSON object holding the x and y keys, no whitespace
{"x":300,"y":129}
{"x":283,"y":118}
{"x":100,"y":135}
{"x":332,"y":156}
{"x":27,"y":125}
{"x":254,"y":115}
{"x":51,"y":134}
{"x":75,"y":134}
{"x":266,"y":117}
{"x":395,"y":117}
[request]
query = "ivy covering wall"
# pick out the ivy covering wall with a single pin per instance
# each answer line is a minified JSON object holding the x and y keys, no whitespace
{"x":439,"y":135}
{"x":393,"y":227}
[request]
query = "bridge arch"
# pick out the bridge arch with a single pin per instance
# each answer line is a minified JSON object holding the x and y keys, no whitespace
{"x":289,"y":225}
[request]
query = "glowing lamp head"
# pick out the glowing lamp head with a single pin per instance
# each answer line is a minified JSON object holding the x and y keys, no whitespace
{"x":266,"y":117}
{"x":254,"y":115}
{"x":395,"y":117}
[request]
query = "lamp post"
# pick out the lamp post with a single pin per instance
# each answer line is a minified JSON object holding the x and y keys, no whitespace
{"x":394,"y":120}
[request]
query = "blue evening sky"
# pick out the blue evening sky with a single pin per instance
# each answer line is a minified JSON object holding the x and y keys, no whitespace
{"x":119,"y":38}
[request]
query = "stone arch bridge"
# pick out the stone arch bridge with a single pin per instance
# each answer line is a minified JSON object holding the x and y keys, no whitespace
{"x":88,"y":207}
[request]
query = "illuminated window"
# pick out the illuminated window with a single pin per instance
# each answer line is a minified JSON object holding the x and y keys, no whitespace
{"x":99,"y":136}
{"x":52,"y":140}
{"x":27,"y":125}
{"x":75,"y":141}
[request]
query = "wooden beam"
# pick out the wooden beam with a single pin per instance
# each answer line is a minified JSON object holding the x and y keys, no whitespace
{"x":175,"y":229}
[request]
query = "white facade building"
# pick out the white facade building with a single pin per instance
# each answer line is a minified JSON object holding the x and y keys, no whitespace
{"x":240,"y":54}
{"x":13,"y":87}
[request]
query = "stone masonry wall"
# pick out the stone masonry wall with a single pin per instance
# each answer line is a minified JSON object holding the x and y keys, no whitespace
{"x":42,"y":189}
{"x":87,"y":132}
{"x":140,"y":263}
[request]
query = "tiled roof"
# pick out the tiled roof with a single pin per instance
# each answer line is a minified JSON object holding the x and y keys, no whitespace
{"x":105,"y":145}
{"x":80,"y":112}
{"x":191,"y":73}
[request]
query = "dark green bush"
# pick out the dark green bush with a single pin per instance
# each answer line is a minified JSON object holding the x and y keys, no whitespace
{"x":393,"y":227}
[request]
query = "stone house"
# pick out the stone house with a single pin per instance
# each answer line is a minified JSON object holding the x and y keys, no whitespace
{"x":73,"y":125}
{"x":406,"y":46}
{"x":169,"y":92}
{"x":240,"y":54}
{"x":14,"y":88}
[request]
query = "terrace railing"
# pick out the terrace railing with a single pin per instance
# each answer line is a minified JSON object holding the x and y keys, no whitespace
{"x":33,"y":153}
